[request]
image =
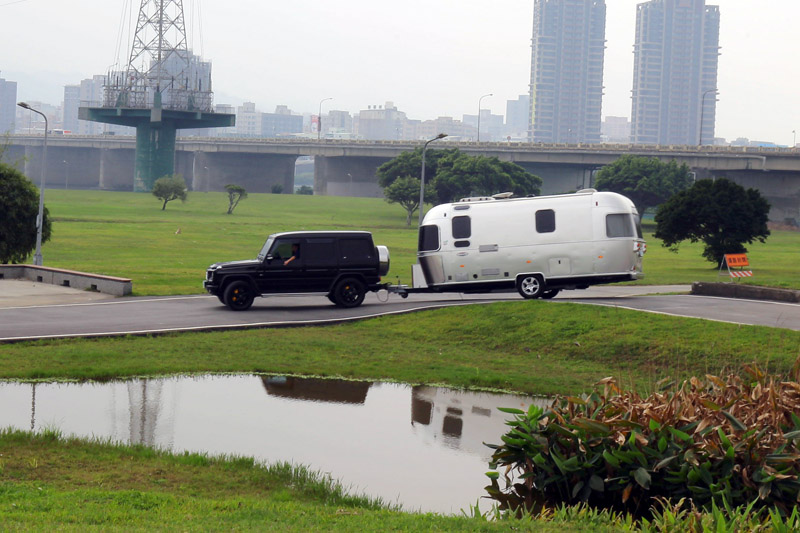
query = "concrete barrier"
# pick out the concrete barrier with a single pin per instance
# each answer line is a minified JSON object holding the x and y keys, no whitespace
{"x":748,"y":292}
{"x":68,"y":278}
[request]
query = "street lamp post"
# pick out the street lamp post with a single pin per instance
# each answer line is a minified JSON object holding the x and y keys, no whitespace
{"x":319,"y":117}
{"x":66,"y":174}
{"x":422,"y":176}
{"x":794,"y":139}
{"x":479,"y":114}
{"x":37,"y":257}
{"x":702,"y":112}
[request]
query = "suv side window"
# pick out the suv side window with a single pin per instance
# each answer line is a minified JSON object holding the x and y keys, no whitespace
{"x":282,"y":249}
{"x":356,"y":252}
{"x":319,"y":252}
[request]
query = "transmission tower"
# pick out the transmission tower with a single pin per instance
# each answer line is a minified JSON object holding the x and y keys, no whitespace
{"x":163,"y":88}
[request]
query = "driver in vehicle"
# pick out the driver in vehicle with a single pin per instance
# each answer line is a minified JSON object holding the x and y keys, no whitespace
{"x":295,"y":254}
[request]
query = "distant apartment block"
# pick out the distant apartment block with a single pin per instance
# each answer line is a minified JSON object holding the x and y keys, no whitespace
{"x":616,"y":130}
{"x":566,"y":88}
{"x":381,"y":122}
{"x":248,"y":120}
{"x":676,"y":55}
{"x":456,"y":130}
{"x":8,"y":105}
{"x":517,"y":117}
{"x":492,"y":126}
{"x":281,"y":123}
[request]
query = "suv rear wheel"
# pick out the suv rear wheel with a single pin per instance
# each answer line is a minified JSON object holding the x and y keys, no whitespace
{"x":348,"y":292}
{"x":239,"y":295}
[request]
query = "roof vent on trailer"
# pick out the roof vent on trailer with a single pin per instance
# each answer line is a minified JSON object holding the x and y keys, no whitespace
{"x":502,"y":195}
{"x":476,"y":199}
{"x":585,"y":191}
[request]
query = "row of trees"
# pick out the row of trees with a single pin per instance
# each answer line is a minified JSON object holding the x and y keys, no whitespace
{"x":451,"y":175}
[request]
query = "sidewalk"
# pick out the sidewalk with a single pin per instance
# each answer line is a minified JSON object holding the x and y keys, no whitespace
{"x":23,"y":293}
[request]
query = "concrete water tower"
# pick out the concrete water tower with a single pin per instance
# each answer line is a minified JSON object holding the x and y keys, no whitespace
{"x":163,"y":88}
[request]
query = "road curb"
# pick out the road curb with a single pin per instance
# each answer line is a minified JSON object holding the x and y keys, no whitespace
{"x":747,"y":292}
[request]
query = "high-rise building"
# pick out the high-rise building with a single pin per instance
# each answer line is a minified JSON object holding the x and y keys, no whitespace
{"x":676,"y":54}
{"x":72,"y":101}
{"x":8,"y":105}
{"x":566,"y":90}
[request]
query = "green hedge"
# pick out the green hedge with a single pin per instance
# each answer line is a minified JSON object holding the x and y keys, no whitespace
{"x":727,"y":442}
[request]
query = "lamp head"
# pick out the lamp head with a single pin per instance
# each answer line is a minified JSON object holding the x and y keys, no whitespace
{"x":23,"y":105}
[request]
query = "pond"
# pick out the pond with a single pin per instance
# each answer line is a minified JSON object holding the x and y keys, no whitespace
{"x":418,"y":446}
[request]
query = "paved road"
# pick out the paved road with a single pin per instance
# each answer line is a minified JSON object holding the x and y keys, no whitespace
{"x":19,"y":320}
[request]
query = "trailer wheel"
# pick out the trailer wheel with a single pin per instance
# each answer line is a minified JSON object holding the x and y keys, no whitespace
{"x":239,"y":296}
{"x":530,"y":286}
{"x":348,"y":293}
{"x":551,"y":293}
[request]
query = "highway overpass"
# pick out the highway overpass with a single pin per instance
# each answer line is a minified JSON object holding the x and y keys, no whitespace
{"x":347,"y":167}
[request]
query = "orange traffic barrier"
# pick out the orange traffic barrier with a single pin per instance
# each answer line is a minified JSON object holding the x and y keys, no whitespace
{"x":736,"y":261}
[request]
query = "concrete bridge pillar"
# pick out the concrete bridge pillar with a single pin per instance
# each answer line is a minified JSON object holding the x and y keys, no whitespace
{"x":347,"y":176}
{"x":558,"y":179}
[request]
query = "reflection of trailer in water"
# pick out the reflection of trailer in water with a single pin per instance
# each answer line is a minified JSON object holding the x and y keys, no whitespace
{"x":538,"y":245}
{"x":464,"y":420}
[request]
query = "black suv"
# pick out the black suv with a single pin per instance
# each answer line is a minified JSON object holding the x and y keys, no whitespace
{"x":343,"y":265}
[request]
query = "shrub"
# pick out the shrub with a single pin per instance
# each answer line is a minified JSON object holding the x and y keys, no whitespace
{"x":305,"y":189}
{"x":713,"y":441}
{"x":277,"y":188}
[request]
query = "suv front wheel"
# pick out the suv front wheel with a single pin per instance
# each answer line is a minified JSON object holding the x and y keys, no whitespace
{"x":239,"y":295}
{"x":348,"y":292}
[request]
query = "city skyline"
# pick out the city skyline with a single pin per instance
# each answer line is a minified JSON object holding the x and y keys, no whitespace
{"x":430,"y":60}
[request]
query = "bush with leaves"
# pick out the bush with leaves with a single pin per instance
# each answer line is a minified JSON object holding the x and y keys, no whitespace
{"x":170,"y":188}
{"x":19,"y":209}
{"x":276,"y":188}
{"x":305,"y":189}
{"x":714,"y":441}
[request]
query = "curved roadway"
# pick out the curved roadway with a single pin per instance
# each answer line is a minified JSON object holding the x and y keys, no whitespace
{"x":151,"y":315}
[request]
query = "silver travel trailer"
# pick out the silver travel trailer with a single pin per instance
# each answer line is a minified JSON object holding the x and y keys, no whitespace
{"x":538,"y":245}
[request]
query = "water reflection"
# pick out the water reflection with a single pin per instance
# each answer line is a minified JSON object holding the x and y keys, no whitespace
{"x":419,"y":446}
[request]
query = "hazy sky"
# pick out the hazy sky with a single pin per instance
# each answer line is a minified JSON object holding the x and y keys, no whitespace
{"x":430,"y":57}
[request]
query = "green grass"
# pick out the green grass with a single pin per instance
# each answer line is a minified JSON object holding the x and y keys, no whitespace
{"x":526,"y":346}
{"x":49,"y":483}
{"x":128,"y":235}
{"x":45,"y":485}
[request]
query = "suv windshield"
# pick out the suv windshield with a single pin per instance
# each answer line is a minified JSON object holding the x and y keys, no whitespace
{"x":264,"y":249}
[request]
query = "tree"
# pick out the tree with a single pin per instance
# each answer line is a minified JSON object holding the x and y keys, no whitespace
{"x":170,"y":188}
{"x":404,"y":191}
{"x":451,"y":174}
{"x":276,"y":188}
{"x":647,"y":181}
{"x":19,"y":209}
{"x":305,"y":189}
{"x":236,"y":193}
{"x":720,"y":213}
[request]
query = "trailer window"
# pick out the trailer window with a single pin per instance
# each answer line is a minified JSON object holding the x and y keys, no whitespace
{"x":619,"y":225}
{"x":428,"y":238}
{"x":461,"y":228}
{"x":545,"y":221}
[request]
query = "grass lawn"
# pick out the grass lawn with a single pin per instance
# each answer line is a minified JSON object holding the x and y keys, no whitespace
{"x":128,"y":235}
{"x":48,"y":483}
